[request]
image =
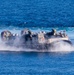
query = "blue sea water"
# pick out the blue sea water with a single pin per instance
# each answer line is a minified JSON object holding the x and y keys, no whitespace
{"x":37,"y":15}
{"x":34,"y":13}
{"x":22,"y":63}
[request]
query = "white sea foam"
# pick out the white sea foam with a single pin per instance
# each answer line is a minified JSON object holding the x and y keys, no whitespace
{"x":61,"y":47}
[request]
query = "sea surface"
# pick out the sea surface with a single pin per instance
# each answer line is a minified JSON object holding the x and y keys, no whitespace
{"x":22,"y":63}
{"x":37,"y":15}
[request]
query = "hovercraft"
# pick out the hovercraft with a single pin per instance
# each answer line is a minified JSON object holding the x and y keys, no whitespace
{"x":31,"y":40}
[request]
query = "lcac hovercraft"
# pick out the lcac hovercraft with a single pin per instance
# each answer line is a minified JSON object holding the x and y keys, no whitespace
{"x":31,"y":40}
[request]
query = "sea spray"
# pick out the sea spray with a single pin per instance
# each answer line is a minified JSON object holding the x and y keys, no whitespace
{"x":62,"y":47}
{"x":57,"y":47}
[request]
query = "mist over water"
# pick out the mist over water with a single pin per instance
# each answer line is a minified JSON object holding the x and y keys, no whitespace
{"x":59,"y":48}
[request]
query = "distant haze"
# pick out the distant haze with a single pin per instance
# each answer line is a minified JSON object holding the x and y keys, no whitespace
{"x":33,"y":13}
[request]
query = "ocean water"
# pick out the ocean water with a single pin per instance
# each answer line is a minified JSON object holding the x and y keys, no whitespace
{"x":34,"y":13}
{"x":37,"y":15}
{"x":22,"y":63}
